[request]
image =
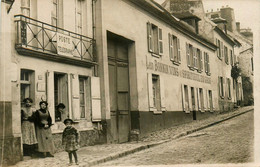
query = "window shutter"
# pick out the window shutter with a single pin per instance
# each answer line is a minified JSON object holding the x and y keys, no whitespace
{"x":190,"y":99}
{"x":160,"y":42}
{"x":188,"y":54}
{"x":222,"y":50}
{"x":50,"y":93}
{"x":183,"y":98}
{"x":219,"y":86}
{"x":208,"y":63}
{"x":208,"y":103}
{"x":162,"y":91}
{"x":170,"y":46}
{"x":212,"y":97}
{"x":205,"y":62}
{"x":198,"y":95}
{"x":205,"y":99}
{"x":217,"y":48}
{"x":96,"y":99}
{"x":196,"y":99}
{"x":224,"y":86}
{"x":75,"y":109}
{"x":149,"y":36}
{"x":194,"y":64}
{"x":201,"y":62}
{"x":179,"y":50}
{"x":150,"y":92}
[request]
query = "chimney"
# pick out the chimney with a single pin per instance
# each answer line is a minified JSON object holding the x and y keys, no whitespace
{"x":238,"y":26}
{"x":228,"y":14}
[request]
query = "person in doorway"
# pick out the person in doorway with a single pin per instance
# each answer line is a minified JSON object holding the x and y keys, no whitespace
{"x":43,"y":122}
{"x":70,"y":139}
{"x":59,"y":112}
{"x":28,"y":128}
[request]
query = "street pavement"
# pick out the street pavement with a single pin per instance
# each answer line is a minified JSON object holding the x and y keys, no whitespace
{"x":93,"y":155}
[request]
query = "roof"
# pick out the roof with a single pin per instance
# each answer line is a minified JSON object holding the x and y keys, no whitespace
{"x":158,"y":11}
{"x":219,"y":20}
{"x":249,"y":49}
{"x":186,"y":15}
{"x":224,"y":36}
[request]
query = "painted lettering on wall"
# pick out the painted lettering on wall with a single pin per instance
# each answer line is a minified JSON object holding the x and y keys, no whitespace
{"x":64,"y":45}
{"x":171,"y":70}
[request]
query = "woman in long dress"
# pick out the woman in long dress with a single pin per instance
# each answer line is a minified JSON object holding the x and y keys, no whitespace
{"x":28,"y":129}
{"x":43,"y":122}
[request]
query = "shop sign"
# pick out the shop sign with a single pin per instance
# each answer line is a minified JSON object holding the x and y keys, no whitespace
{"x":64,"y":45}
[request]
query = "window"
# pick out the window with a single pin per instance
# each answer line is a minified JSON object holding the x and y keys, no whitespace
{"x":231,"y":58}
{"x":195,"y":58}
{"x":210,"y":100}
{"x":220,"y":50}
{"x":27,"y":81}
{"x":156,"y":92}
{"x":193,"y":98}
{"x":221,"y":87}
{"x":174,"y":45}
{"x":186,"y":94}
{"x":54,"y":13}
{"x":206,"y":63}
{"x":155,"y":41}
{"x":79,"y":16}
{"x":25,"y":7}
{"x":61,"y":94}
{"x":84,"y":97}
{"x":226,"y":54}
{"x":229,"y":88}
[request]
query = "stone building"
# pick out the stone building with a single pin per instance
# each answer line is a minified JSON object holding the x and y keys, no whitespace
{"x":48,"y":54}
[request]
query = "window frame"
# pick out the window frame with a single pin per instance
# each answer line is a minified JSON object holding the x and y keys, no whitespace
{"x":174,"y":49}
{"x":156,"y":92}
{"x":155,"y":39}
{"x":27,"y":8}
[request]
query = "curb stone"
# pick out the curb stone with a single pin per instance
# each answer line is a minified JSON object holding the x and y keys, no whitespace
{"x":146,"y":146}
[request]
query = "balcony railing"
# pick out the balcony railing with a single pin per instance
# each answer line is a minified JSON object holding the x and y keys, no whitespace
{"x":45,"y":39}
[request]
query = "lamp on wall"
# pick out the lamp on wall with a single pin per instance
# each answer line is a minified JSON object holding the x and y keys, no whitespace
{"x":10,"y":3}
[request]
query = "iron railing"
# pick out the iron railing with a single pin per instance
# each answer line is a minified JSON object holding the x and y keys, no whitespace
{"x":42,"y":37}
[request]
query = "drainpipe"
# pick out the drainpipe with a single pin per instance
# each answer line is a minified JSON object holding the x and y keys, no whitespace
{"x":94,"y":36}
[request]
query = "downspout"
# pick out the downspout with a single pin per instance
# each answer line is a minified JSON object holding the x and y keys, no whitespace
{"x":94,"y":37}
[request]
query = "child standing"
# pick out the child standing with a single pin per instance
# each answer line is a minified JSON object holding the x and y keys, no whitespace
{"x":70,"y":139}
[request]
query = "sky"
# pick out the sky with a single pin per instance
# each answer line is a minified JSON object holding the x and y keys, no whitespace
{"x":247,"y":12}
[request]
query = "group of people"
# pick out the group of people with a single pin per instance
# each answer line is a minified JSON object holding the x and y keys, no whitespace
{"x":37,"y":135}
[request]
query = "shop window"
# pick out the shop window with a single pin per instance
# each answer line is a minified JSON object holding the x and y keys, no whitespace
{"x":155,"y":41}
{"x":174,"y":49}
{"x":206,"y":63}
{"x":156,"y":92}
{"x":25,"y":7}
{"x":84,"y":97}
{"x":221,"y":87}
{"x":27,"y":84}
{"x":61,"y":95}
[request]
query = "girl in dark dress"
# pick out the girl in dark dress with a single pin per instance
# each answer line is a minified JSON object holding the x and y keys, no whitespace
{"x":70,"y":139}
{"x":43,"y":123}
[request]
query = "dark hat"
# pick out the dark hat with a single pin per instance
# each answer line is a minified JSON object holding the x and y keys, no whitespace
{"x":28,"y":98}
{"x":43,"y":102}
{"x":61,"y":105}
{"x":66,"y":120}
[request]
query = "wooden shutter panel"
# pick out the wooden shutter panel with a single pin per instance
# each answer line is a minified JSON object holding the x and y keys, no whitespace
{"x":201,"y":61}
{"x":222,"y":50}
{"x":205,"y":99}
{"x":162,"y":91}
{"x":207,"y":96}
{"x":96,"y":99}
{"x":194,"y":58}
{"x":190,"y":99}
{"x":150,"y":92}
{"x":179,"y":50}
{"x":170,"y":46}
{"x":208,"y":63}
{"x":160,"y":41}
{"x":219,"y":86}
{"x":199,"y":101}
{"x":205,"y":62}
{"x":188,"y":54}
{"x":75,"y":109}
{"x":224,"y":87}
{"x":213,"y":105}
{"x":50,"y":93}
{"x":183,"y":98}
{"x":149,"y":37}
{"x":218,"y":47}
{"x":196,"y":99}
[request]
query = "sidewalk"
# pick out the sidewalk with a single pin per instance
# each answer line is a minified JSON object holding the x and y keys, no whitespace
{"x":92,"y":155}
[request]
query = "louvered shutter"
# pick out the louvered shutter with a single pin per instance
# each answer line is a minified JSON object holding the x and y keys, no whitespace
{"x":189,"y":97}
{"x":205,"y":99}
{"x":162,"y":91}
{"x":149,"y":37}
{"x":196,"y":99}
{"x":194,"y":54}
{"x":160,"y":42}
{"x":205,"y":62}
{"x":201,"y":61}
{"x":208,"y":63}
{"x":207,"y":96}
{"x":170,"y":46}
{"x":96,"y":99}
{"x":199,"y":100}
{"x":183,"y":98}
{"x":217,"y":48}
{"x":222,"y":50}
{"x":188,"y":54}
{"x":179,"y":50}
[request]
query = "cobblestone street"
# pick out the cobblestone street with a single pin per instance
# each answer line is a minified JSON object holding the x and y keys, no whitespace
{"x":92,"y":155}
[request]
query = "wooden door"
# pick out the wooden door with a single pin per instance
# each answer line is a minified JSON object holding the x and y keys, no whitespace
{"x":119,"y":90}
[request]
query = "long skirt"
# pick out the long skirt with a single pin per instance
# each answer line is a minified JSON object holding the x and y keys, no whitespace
{"x":45,"y":142}
{"x":28,"y":133}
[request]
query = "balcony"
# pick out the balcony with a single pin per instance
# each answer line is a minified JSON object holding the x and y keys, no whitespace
{"x":42,"y":40}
